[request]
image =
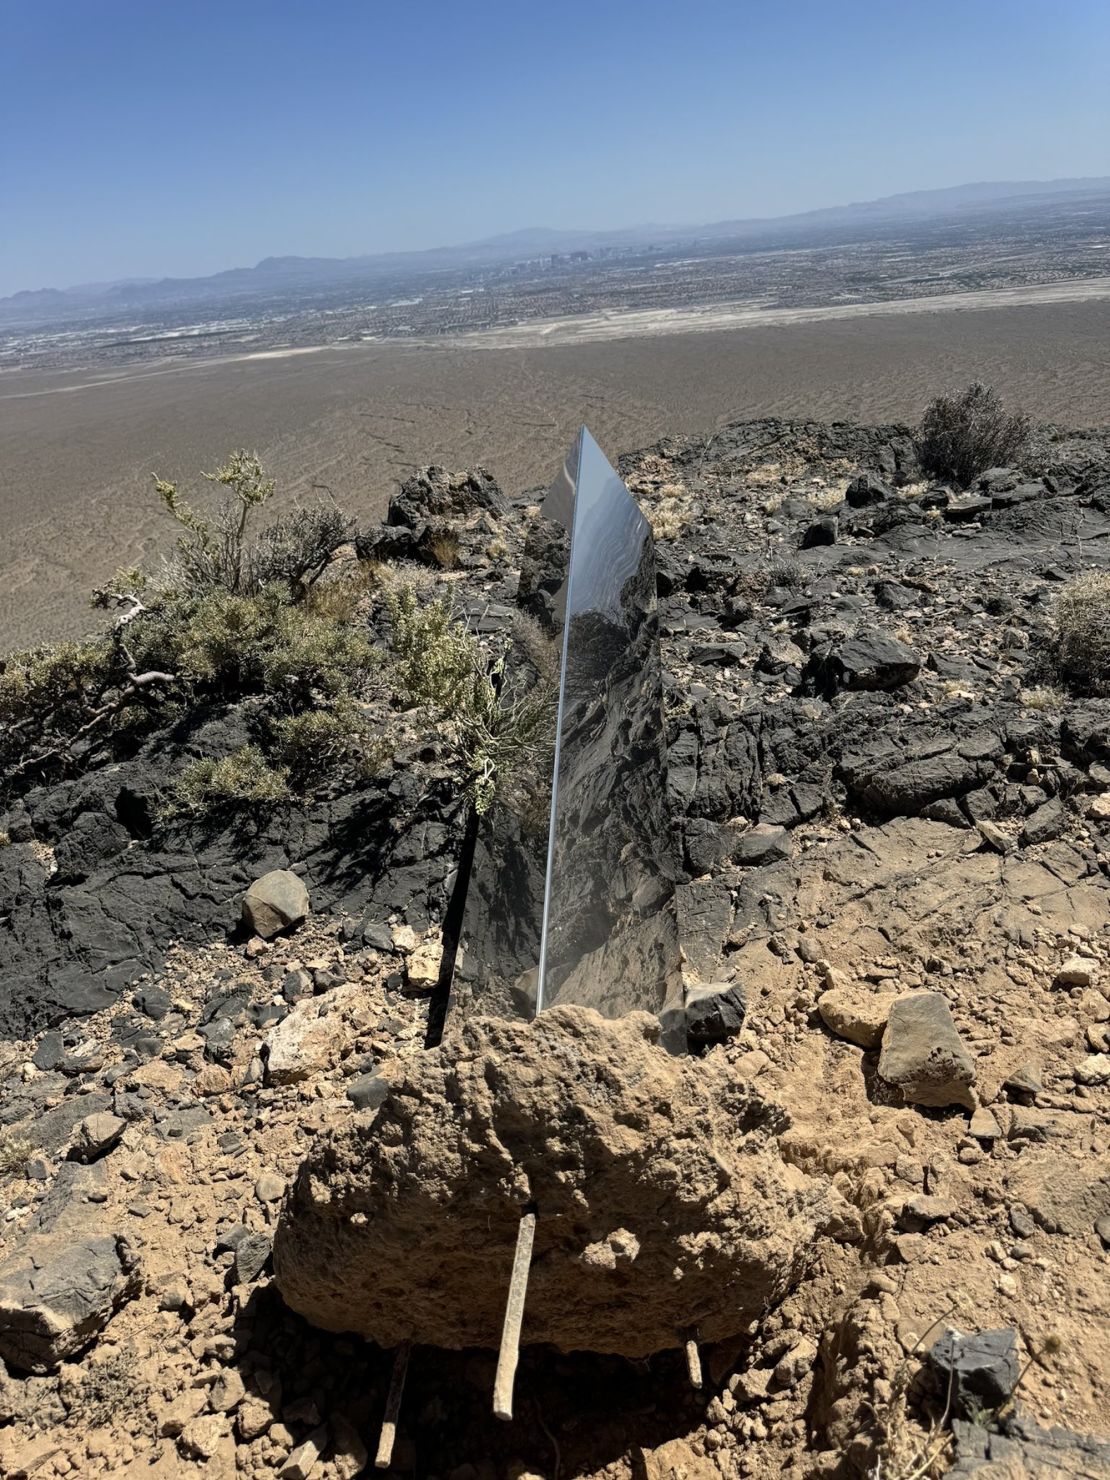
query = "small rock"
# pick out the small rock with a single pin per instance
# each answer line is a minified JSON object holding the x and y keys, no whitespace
{"x":155,"y":1002}
{"x":49,"y":1053}
{"x":277,"y":901}
{"x":1094,"y":1070}
{"x":871,"y":661}
{"x":923,"y":1054}
{"x":269,"y":1187}
{"x":227,"y":1392}
{"x":367,"y":1091}
{"x":714,"y":1013}
{"x":96,"y":1136}
{"x":252,"y":1418}
{"x":306,"y":1042}
{"x":175,"y":1294}
{"x":304,"y":1458}
{"x":764,"y":843}
{"x":865,"y":490}
{"x":1024,"y":1082}
{"x":920,"y":1211}
{"x":995,"y":837}
{"x":856,"y":1014}
{"x":982,"y":1368}
{"x":183,"y":1409}
{"x":423,"y":966}
{"x":348,"y":1452}
{"x":983,"y":1126}
{"x":297,"y":984}
{"x":791,"y":1368}
{"x":1046,"y":823}
{"x":251,"y":1254}
{"x":212,"y":1080}
{"x":201,"y":1437}
{"x":823,"y":531}
{"x":1077,"y":971}
{"x":405,"y":938}
{"x":1020,"y":1221}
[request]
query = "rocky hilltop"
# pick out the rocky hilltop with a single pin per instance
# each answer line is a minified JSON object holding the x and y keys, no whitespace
{"x":890,"y":781}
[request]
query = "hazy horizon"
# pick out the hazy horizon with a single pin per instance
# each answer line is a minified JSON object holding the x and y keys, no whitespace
{"x":158,"y":143}
{"x":538,"y":229}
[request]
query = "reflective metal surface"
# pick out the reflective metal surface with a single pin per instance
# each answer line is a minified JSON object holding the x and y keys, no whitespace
{"x":571,"y":895}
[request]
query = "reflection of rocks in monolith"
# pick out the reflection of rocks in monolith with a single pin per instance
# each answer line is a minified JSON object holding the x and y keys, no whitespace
{"x":571,"y":896}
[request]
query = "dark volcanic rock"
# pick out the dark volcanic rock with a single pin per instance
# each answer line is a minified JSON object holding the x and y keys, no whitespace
{"x":62,"y":1283}
{"x":277,"y":901}
{"x":866,"y":489}
{"x":436,"y":493}
{"x":822,"y":532}
{"x":714,"y":1012}
{"x":923,"y":1054}
{"x":71,"y":948}
{"x":895,"y":784}
{"x":1017,"y":1447}
{"x":869,"y":662}
{"x":980,"y":1370}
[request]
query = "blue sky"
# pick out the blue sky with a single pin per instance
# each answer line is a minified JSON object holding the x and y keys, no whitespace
{"x":177,"y":137}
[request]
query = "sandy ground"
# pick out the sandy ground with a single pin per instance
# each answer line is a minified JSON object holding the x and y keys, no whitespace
{"x":77,"y":450}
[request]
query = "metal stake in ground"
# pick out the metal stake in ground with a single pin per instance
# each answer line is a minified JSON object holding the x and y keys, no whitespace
{"x":514,"y":1314}
{"x":384,"y":1456}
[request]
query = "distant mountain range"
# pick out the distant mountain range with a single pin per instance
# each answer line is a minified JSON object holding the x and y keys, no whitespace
{"x":288,"y":276}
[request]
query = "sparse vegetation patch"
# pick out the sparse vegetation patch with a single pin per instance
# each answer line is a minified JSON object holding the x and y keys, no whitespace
{"x":962,"y":436}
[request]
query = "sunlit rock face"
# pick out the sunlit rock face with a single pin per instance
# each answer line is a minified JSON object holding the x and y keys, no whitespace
{"x":663,"y":1203}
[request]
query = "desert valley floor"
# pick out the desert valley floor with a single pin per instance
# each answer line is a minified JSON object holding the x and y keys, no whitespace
{"x":77,"y":449}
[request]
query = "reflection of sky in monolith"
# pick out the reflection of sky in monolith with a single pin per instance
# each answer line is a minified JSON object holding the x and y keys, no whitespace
{"x":571,"y":897}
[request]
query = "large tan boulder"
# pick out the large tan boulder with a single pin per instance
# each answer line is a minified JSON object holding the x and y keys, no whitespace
{"x":277,"y":901}
{"x":662,"y":1203}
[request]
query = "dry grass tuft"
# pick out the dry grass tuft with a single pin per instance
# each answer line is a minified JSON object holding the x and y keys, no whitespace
{"x":1082,"y":632}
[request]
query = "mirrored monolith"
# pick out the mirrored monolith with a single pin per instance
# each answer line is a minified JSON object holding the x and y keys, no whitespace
{"x":571,"y":893}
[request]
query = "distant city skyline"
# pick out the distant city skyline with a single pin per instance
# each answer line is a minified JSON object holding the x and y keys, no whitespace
{"x":149,"y":142}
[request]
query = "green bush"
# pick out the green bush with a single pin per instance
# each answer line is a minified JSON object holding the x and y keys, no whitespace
{"x":318,"y":742}
{"x":228,"y":644}
{"x":243,"y":779}
{"x":962,"y":436}
{"x":1081,"y":632}
{"x":227,"y":615}
{"x":498,"y":718}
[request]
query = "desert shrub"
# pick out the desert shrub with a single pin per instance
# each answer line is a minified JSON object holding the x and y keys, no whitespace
{"x":212,"y":551}
{"x":962,"y":436}
{"x":224,"y":644}
{"x":318,"y":742}
{"x":218,"y":552}
{"x":51,"y":697}
{"x":445,"y":549}
{"x":296,"y":550}
{"x":227,"y":615}
{"x":498,"y":718}
{"x":435,"y":660}
{"x":14,"y":1151}
{"x":104,"y":1389}
{"x":1081,"y":632}
{"x":243,"y":778}
{"x":1042,"y":697}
